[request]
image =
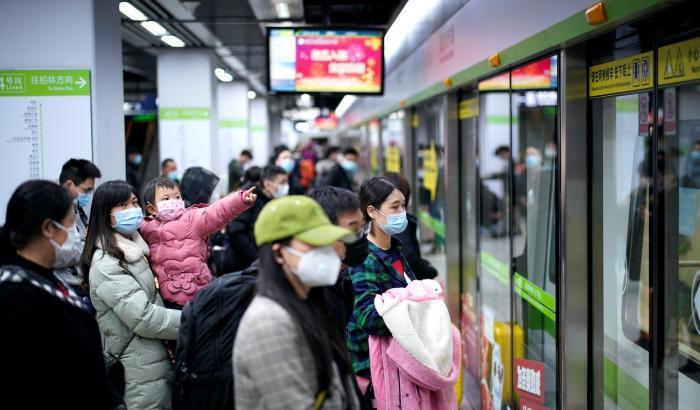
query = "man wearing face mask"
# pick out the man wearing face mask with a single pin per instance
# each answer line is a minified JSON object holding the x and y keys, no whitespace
{"x":343,"y":209}
{"x":341,"y":175}
{"x":273,"y":184}
{"x":284,"y":159}
{"x":78,"y":178}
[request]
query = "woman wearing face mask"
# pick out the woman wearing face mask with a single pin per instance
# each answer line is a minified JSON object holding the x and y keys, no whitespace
{"x":123,"y":289}
{"x":287,"y":353}
{"x":52,"y":355}
{"x":285,"y":160}
{"x":385,"y":268}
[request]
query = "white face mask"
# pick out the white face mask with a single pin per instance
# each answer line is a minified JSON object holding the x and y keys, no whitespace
{"x":317,"y":267}
{"x":68,"y":253}
{"x":282,"y":190}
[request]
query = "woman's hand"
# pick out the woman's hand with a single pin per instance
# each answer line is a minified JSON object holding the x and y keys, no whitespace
{"x":250,"y":196}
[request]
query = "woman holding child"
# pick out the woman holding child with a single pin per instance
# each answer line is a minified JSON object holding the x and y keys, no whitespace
{"x":123,"y":290}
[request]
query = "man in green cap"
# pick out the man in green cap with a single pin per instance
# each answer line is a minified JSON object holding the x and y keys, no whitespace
{"x":287,"y":349}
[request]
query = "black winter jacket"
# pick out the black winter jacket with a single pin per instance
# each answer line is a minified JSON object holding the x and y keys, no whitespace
{"x":240,"y":233}
{"x":51,"y":350}
{"x":411,"y":249}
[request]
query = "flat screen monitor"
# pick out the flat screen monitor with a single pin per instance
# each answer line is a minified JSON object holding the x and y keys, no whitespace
{"x":325,"y":60}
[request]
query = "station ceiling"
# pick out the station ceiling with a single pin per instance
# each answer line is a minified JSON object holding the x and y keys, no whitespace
{"x":239,"y":26}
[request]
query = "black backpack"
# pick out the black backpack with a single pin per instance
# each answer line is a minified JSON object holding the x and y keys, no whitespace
{"x":203,"y":375}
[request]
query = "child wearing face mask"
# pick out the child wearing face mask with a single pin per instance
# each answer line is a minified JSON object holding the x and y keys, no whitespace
{"x":177,"y":236}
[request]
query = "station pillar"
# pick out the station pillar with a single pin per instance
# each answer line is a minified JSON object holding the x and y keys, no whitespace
{"x":232,"y":108}
{"x":187,"y":108}
{"x":258,"y":129}
{"x":61,"y":89}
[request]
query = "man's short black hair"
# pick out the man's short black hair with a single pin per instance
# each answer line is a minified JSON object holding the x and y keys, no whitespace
{"x":330,"y":150}
{"x":335,"y":201}
{"x":149,"y":192}
{"x":165,"y":162}
{"x":247,"y":153}
{"x":82,"y":167}
{"x":350,"y":151}
{"x":270,"y":172}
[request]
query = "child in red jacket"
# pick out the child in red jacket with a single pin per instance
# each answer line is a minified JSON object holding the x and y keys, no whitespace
{"x":177,"y":237}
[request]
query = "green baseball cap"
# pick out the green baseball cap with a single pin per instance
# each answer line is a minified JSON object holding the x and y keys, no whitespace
{"x":297,"y":217}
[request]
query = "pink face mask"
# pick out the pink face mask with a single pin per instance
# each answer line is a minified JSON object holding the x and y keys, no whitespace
{"x":171,"y":209}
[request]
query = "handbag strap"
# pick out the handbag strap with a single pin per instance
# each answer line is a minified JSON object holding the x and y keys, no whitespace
{"x":153,"y":300}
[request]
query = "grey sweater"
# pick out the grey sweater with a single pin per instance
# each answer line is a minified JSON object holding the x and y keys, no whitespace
{"x":272,"y":363}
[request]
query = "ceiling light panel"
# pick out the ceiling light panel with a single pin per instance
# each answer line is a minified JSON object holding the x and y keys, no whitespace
{"x":131,"y":12}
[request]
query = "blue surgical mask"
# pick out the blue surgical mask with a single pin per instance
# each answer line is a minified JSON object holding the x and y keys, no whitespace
{"x":287,"y":165}
{"x":84,"y":199}
{"x":532,"y":161}
{"x":128,"y":220}
{"x":349,"y":166}
{"x":172,"y":175}
{"x":695,"y":154}
{"x":138,"y":158}
{"x":395,"y":223}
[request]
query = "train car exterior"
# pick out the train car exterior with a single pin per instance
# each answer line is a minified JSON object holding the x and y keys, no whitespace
{"x":555,"y":168}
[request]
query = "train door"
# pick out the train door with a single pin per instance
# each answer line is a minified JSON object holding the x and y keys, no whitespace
{"x":429,"y":142}
{"x":518,"y":135}
{"x":678,"y":133}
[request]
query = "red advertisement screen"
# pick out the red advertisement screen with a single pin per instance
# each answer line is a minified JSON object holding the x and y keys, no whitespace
{"x":333,"y":61}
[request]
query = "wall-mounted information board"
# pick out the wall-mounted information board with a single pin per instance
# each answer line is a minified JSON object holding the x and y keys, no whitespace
{"x":45,"y":119}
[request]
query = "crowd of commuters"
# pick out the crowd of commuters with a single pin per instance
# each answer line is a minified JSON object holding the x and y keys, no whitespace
{"x":95,"y":279}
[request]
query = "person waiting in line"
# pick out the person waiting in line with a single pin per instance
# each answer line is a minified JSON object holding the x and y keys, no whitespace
{"x":287,"y":353}
{"x":237,"y":169}
{"x":134,"y":159}
{"x":52,"y":353}
{"x":130,"y":312}
{"x":284,"y":159}
{"x":168,"y":169}
{"x":343,"y":209}
{"x":78,"y":178}
{"x":273,"y":184}
{"x":422,"y":268}
{"x":251,"y":177}
{"x":341,"y":175}
{"x":330,"y":159}
{"x":177,"y":236}
{"x":385,"y":268}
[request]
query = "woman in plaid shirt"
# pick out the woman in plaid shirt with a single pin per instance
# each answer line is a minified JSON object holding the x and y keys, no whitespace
{"x":385,"y":267}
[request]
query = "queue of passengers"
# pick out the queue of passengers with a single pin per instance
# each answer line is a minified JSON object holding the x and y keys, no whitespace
{"x":92,"y":292}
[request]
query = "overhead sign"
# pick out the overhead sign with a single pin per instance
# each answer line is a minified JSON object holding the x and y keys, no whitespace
{"x":625,"y":75}
{"x":679,"y":62}
{"x":468,"y":108}
{"x":538,"y":75}
{"x":45,"y":120}
{"x":497,"y":83}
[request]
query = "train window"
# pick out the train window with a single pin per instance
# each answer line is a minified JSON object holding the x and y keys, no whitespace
{"x":534,"y":221}
{"x":622,"y":182}
{"x":679,"y":134}
{"x":428,"y":124}
{"x":496,"y":345}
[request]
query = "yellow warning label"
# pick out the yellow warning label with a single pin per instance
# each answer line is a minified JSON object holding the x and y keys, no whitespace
{"x":430,"y":171}
{"x":415,"y":120}
{"x":468,"y":108}
{"x":633,"y":73}
{"x":393,"y":159}
{"x":679,"y":62}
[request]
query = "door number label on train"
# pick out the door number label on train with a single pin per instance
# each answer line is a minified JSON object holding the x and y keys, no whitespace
{"x":628,"y":74}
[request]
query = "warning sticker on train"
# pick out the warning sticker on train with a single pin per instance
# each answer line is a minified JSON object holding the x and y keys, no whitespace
{"x":625,"y":75}
{"x":679,"y":62}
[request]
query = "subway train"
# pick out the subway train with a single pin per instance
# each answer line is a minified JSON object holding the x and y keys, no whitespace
{"x":557,"y":185}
